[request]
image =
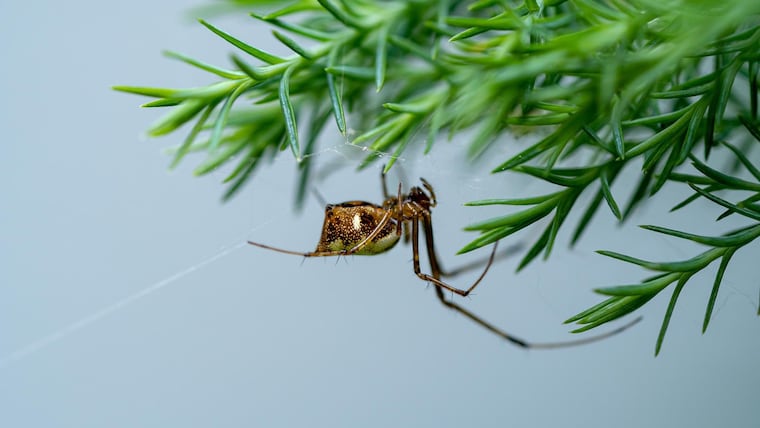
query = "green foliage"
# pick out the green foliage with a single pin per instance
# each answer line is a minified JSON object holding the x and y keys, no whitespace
{"x":605,"y":85}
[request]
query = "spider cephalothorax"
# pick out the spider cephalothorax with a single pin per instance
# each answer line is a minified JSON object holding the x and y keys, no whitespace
{"x":364,"y":228}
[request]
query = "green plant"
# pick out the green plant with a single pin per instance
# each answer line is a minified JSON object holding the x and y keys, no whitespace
{"x":606,"y":85}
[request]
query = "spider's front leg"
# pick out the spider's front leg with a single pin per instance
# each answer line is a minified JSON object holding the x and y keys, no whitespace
{"x":435,"y":275}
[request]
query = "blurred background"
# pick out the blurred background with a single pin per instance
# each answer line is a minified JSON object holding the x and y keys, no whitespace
{"x":128,"y":296}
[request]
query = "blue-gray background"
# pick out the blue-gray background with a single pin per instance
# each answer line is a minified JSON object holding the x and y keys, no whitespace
{"x":90,"y":215}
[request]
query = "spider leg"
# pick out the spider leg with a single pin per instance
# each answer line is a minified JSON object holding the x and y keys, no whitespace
{"x":470,"y":266}
{"x":520,"y":342}
{"x":369,"y":238}
{"x":318,"y":196}
{"x":483,"y":323}
{"x":400,"y":207}
{"x":280,"y":250}
{"x":433,"y":201}
{"x":384,"y":183}
{"x":501,"y":254}
{"x":436,"y":273}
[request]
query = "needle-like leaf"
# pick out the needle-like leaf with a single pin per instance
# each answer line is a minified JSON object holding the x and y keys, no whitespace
{"x":289,"y":114}
{"x":669,"y":312}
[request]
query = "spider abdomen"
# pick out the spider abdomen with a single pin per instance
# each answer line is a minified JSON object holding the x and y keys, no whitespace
{"x":347,"y":224}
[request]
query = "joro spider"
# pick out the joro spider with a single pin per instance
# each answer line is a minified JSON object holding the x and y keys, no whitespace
{"x":364,"y":228}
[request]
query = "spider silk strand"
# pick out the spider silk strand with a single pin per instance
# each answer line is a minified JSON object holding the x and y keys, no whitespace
{"x":45,"y":341}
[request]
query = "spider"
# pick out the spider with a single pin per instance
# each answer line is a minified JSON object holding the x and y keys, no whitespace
{"x":364,"y":228}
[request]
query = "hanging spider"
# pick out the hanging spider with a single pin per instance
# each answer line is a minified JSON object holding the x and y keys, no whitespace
{"x":364,"y":228}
